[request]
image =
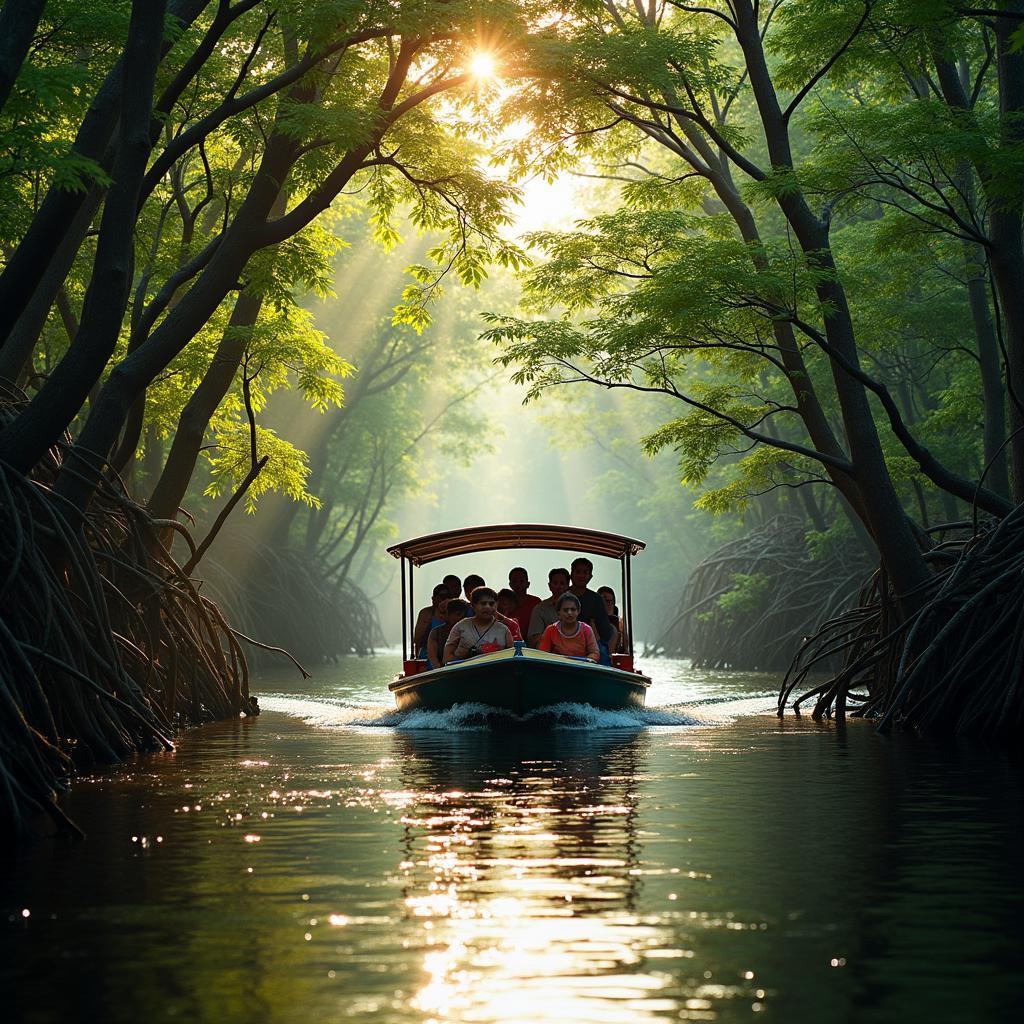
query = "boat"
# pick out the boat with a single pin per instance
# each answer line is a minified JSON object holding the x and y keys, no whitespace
{"x":518,"y":680}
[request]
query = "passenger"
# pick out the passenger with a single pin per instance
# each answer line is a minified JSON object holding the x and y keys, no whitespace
{"x":519,"y":582}
{"x":454,"y":585}
{"x":569,"y":636}
{"x":506,"y":606}
{"x":544,"y":613}
{"x":454,"y":611}
{"x":592,"y":606}
{"x":618,"y":623}
{"x":429,"y":618}
{"x":482,"y":633}
{"x":472,"y":582}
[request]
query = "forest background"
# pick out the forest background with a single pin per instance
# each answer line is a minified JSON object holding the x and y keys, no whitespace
{"x":277,"y":275}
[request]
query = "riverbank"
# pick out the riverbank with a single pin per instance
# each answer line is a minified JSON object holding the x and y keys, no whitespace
{"x":306,"y":864}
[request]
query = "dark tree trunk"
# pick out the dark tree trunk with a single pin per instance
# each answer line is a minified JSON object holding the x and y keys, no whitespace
{"x":137,"y":371}
{"x":24,"y":336}
{"x":885,"y":517}
{"x":1005,"y":252}
{"x":60,"y":207}
{"x":716,"y":169}
{"x":32,"y":432}
{"x":18,"y":21}
{"x":249,"y":232}
{"x":811,"y":507}
{"x":990,"y":368}
{"x":170,"y":489}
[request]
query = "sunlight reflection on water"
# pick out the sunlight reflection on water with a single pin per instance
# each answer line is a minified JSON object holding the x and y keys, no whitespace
{"x":333,"y":859}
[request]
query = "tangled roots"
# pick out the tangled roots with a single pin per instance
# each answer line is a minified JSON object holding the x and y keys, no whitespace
{"x":751,"y":602}
{"x":284,"y":596}
{"x":106,"y":648}
{"x":952,"y":663}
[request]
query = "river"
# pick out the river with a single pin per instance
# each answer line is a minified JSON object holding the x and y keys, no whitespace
{"x":329,"y":860}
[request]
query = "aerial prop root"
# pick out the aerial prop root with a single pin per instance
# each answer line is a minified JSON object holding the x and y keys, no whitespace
{"x":793,"y":593}
{"x":106,"y":647}
{"x":955,"y":664}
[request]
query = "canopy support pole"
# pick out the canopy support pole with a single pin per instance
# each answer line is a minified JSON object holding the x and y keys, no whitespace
{"x":401,"y":609}
{"x":629,"y":603}
{"x":622,"y":598}
{"x":412,"y":618}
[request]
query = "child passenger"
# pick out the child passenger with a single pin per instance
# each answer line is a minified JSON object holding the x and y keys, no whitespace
{"x":569,"y":636}
{"x":455,"y":611}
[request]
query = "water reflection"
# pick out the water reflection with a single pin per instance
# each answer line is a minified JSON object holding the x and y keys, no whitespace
{"x":521,"y":867}
{"x":300,"y":872}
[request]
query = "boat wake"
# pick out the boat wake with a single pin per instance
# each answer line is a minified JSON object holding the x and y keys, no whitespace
{"x":481,"y":718}
{"x":473,"y":717}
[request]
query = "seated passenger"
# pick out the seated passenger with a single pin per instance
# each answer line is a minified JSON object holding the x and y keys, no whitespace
{"x":568,"y":636}
{"x":544,"y":613}
{"x":483,"y":633}
{"x":507,"y":602}
{"x":519,"y":584}
{"x":582,"y":572}
{"x":618,"y":623}
{"x":455,"y":611}
{"x":472,"y":582}
{"x":454,"y":585}
{"x":513,"y":625}
{"x":429,"y":618}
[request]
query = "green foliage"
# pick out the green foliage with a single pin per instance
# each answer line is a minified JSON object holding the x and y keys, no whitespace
{"x":286,"y":470}
{"x":659,"y":295}
{"x":744,"y":597}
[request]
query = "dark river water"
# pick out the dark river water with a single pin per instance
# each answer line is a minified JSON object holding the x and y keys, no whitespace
{"x":329,"y":860}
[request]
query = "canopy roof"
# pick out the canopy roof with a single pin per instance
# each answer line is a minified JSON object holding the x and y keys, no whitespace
{"x":421,"y":550}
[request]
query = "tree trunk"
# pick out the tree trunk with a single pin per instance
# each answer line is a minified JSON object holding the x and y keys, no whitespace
{"x":809,"y":407}
{"x":32,"y":432}
{"x":137,"y":370}
{"x":18,"y":21}
{"x":60,"y":207}
{"x":989,"y":359}
{"x":249,"y":231}
{"x":24,"y":336}
{"x":811,"y":507}
{"x":1005,"y":252}
{"x":886,"y":519}
{"x":170,"y":489}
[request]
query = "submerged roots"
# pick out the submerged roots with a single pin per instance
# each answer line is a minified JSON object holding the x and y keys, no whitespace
{"x":953,"y":662}
{"x":106,"y":647}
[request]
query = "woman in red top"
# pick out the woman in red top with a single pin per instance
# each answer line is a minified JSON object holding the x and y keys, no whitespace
{"x":569,"y":636}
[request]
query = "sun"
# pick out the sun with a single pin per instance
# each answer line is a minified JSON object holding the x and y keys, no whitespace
{"x":482,"y":65}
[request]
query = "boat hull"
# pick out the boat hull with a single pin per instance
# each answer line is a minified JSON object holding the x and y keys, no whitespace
{"x":520,"y":682}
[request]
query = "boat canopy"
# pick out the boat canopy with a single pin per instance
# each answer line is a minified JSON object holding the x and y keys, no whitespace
{"x":434,"y":546}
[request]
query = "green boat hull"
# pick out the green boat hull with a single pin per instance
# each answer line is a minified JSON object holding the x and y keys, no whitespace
{"x":520,"y":682}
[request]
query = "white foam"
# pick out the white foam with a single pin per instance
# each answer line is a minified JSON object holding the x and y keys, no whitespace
{"x":475,"y":717}
{"x":321,"y":711}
